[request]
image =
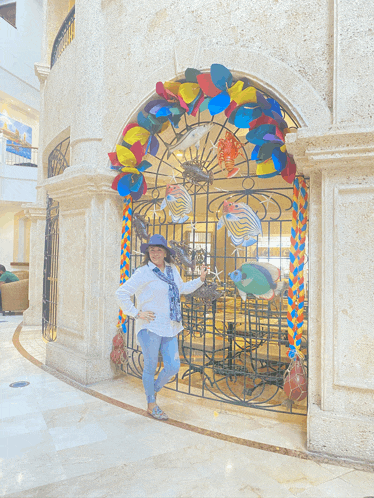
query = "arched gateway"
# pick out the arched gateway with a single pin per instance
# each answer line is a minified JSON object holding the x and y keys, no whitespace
{"x":220,"y":188}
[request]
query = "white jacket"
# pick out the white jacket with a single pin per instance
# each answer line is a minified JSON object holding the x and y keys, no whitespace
{"x":152,"y":294}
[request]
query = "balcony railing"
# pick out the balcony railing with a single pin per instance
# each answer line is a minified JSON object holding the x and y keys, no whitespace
{"x":64,"y":37}
{"x":17,"y":154}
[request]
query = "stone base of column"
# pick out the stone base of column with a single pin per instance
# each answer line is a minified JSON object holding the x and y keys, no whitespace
{"x":79,"y":367}
{"x":341,"y":436}
{"x":32,"y":317}
{"x":90,"y":216}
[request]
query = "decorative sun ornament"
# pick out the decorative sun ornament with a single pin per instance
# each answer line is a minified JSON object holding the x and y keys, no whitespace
{"x":216,"y":91}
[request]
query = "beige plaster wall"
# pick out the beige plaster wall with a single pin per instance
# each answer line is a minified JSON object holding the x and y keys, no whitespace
{"x":286,"y":47}
{"x":59,"y":97}
{"x":354,"y":63}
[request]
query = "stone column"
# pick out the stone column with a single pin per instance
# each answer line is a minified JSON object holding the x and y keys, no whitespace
{"x":340,"y":330}
{"x":87,"y":127}
{"x":88,"y":273}
{"x":89,"y":221}
{"x":37,"y":214}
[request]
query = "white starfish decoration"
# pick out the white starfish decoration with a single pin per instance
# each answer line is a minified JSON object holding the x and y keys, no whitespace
{"x":216,"y":273}
{"x":172,"y":178}
{"x":267,"y":200}
{"x":221,"y":189}
{"x":236,"y":251}
{"x":155,"y":210}
{"x":214,"y":146}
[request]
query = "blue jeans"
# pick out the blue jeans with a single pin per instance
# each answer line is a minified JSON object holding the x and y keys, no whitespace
{"x":151,"y":344}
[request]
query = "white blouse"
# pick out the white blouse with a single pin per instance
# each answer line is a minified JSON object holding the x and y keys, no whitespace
{"x":152,"y":294}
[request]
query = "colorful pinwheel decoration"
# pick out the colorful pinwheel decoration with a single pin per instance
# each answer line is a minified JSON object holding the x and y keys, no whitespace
{"x":128,"y":159}
{"x":267,"y":133}
{"x":243,"y":105}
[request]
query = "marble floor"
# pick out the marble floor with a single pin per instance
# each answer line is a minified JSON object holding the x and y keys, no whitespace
{"x":58,"y":439}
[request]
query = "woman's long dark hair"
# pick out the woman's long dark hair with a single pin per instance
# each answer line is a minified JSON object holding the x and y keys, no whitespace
{"x":168,"y":258}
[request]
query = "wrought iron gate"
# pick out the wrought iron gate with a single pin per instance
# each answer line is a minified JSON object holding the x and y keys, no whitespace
{"x":58,"y":161}
{"x":231,"y":350}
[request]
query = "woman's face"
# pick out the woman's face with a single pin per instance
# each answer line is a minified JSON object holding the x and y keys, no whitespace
{"x":157,"y":255}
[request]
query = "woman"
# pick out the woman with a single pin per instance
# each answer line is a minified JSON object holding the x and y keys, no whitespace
{"x":157,"y":285}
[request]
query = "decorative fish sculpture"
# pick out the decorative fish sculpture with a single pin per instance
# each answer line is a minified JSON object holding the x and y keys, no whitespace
{"x":141,"y":226}
{"x":190,"y":138}
{"x":242,"y":223}
{"x":195,"y":174}
{"x":179,"y":203}
{"x":182,"y":254}
{"x":207,"y":293}
{"x":258,"y":279}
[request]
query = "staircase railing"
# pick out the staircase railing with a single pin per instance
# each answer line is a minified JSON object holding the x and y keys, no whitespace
{"x":64,"y":36}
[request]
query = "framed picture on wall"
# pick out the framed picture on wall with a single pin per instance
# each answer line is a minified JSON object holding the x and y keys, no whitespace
{"x":18,"y":136}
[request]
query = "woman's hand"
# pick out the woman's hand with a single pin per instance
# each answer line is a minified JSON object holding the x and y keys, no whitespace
{"x":203,"y":273}
{"x":148,"y":316}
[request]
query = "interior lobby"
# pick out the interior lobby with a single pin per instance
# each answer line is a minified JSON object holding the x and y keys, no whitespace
{"x":242,"y":133}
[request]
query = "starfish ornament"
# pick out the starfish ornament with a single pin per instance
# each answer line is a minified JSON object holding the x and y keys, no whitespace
{"x":236,"y":251}
{"x":267,"y":200}
{"x":172,"y":176}
{"x":155,"y":210}
{"x":216,"y":273}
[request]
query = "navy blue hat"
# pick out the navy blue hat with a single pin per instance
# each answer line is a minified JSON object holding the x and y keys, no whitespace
{"x":157,"y":240}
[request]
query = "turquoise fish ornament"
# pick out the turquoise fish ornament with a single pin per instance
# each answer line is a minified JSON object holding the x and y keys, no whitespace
{"x":258,"y":279}
{"x":242,"y":223}
{"x":179,"y":202}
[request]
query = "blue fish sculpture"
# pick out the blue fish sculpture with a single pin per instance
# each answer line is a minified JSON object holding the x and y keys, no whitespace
{"x":242,"y":223}
{"x":179,"y":202}
{"x":258,"y":279}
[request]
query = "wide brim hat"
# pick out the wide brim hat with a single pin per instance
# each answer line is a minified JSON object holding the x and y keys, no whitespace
{"x":156,"y":240}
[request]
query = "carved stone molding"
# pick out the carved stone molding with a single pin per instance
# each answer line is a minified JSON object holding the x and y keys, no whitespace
{"x":334,"y":148}
{"x":42,"y":71}
{"x":78,"y":184}
{"x":34,"y":211}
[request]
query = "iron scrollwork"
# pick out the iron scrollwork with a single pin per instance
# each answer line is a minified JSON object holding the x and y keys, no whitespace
{"x":232,"y":351}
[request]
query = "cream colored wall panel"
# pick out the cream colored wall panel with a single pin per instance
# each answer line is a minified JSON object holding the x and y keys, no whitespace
{"x":72,"y":271}
{"x":59,"y":97}
{"x":354,"y":62}
{"x":353,"y":280}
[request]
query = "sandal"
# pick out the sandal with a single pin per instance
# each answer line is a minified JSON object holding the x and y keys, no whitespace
{"x":158,"y":414}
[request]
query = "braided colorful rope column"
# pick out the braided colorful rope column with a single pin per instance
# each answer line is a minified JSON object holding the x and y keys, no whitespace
{"x":118,"y":354}
{"x":296,"y":291}
{"x":125,"y":251}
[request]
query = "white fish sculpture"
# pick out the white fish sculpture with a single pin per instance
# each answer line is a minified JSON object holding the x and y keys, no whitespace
{"x":189,"y":139}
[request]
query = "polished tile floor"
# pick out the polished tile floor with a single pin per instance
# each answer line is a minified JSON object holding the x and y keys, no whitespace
{"x":60,"y":441}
